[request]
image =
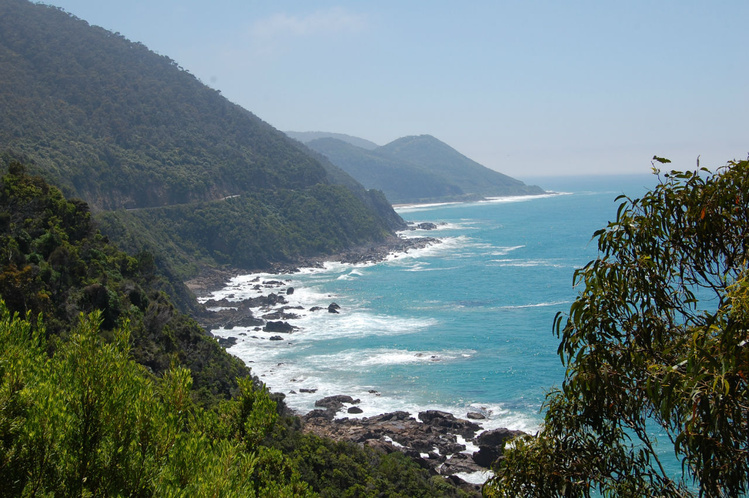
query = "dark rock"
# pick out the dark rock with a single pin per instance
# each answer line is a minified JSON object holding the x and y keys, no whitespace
{"x":315,"y":308}
{"x":491,"y":445}
{"x":432,"y":443}
{"x":278,"y":327}
{"x":304,"y":390}
{"x":446,"y":422}
{"x":475,"y":416}
{"x":289,"y":291}
{"x":421,"y":461}
{"x":426,"y":226}
{"x":280,"y":315}
{"x":323,"y":414}
{"x":385,"y":417}
{"x":276,"y":338}
{"x":247,"y":321}
{"x":228,"y":342}
{"x":335,"y":403}
{"x":220,"y":303}
{"x":459,"y":462}
{"x":272,"y":299}
{"x":496,"y":437}
{"x":355,"y":409}
{"x":469,"y":488}
{"x":333,"y":308}
{"x":272,"y":283}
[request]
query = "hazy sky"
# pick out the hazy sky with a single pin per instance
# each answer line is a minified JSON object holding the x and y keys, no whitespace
{"x":525,"y":87}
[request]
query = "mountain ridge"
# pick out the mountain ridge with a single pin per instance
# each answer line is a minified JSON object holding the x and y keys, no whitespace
{"x":308,"y":136}
{"x":420,"y":168}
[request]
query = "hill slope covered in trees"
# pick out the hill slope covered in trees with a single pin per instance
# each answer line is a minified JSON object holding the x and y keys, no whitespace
{"x":113,"y":123}
{"x":107,"y":390}
{"x":418,"y":169}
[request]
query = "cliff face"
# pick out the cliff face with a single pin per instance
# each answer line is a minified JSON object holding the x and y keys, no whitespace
{"x":123,"y":128}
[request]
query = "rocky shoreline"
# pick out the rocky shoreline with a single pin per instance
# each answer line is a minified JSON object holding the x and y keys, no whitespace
{"x":436,"y":440}
{"x":211,"y":279}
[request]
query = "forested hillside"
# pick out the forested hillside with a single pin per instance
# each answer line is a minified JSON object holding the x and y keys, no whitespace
{"x":418,"y":169}
{"x":55,"y":262}
{"x":107,"y":390}
{"x":121,"y":127}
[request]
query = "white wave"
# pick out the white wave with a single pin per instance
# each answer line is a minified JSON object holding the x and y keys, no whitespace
{"x":549,"y":263}
{"x":479,"y":477}
{"x":350,"y":275}
{"x":249,"y":286}
{"x":383,"y":357}
{"x":535,"y":305}
{"x":522,"y":198}
{"x":447,"y":245}
{"x":425,"y":267}
{"x":358,"y":323}
{"x":504,"y":251}
{"x":412,"y":208}
{"x":284,"y":367}
{"x":440,"y":227}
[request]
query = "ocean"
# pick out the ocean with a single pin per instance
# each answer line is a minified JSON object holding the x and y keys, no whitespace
{"x":464,"y":325}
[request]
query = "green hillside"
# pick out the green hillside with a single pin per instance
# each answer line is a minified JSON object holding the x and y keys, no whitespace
{"x":420,"y":169}
{"x":106,"y":389}
{"x":55,"y":262}
{"x":113,"y":123}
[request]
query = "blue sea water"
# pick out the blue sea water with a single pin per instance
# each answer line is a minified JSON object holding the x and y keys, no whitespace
{"x":462,"y":325}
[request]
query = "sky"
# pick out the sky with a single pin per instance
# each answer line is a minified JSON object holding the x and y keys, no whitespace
{"x":529,"y":88}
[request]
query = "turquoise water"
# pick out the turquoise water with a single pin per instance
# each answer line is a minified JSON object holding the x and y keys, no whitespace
{"x":463,"y":325}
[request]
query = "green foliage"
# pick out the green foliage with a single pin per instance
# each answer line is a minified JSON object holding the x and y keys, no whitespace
{"x":56,"y":262}
{"x":252,"y":230}
{"x":110,"y":122}
{"x":90,"y":421}
{"x":656,"y":342}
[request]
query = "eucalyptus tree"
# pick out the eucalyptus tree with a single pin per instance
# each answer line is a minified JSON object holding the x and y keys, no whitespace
{"x":656,"y":343}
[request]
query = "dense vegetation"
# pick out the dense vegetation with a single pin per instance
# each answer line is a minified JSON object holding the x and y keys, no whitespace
{"x":90,"y":421}
{"x":248,"y":231}
{"x":656,"y":345}
{"x":107,"y":389}
{"x":55,"y":262}
{"x":112,"y":123}
{"x":418,"y":169}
